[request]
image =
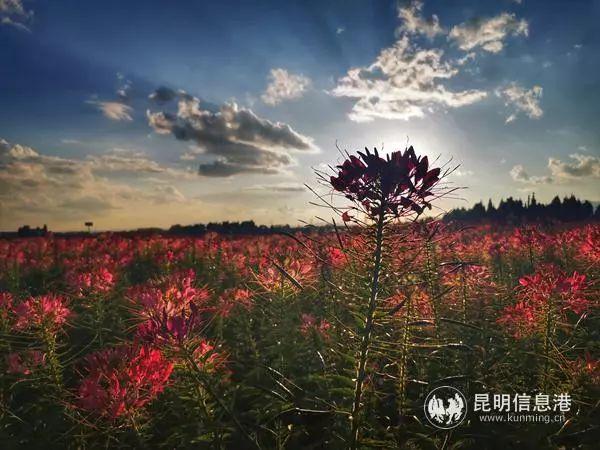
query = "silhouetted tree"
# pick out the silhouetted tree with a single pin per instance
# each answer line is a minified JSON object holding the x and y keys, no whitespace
{"x":514,"y":211}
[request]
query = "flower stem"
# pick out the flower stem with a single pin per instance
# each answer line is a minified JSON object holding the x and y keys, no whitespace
{"x":402,"y":364}
{"x":49,"y":339}
{"x":366,"y":336}
{"x":206,"y":385}
{"x":547,"y":341}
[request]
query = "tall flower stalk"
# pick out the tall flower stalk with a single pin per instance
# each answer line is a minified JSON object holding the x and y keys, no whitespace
{"x":366,"y":336}
{"x":382,"y":190}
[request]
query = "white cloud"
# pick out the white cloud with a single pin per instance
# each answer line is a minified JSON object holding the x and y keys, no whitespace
{"x":582,"y":166}
{"x":488,"y":33}
{"x":521,"y":100}
{"x":403,"y":83}
{"x":126,"y":161}
{"x":463,"y":173}
{"x":414,"y":23}
{"x":113,"y":110}
{"x":239,"y":140}
{"x":69,"y":141}
{"x":519,"y":174}
{"x":284,"y":86}
{"x":278,"y":187}
{"x":34,"y":183}
{"x":13,"y":13}
{"x":9,"y":151}
{"x":188,"y":156}
{"x":125,"y":87}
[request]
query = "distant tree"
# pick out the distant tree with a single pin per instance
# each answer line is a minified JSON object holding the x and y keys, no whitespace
{"x":587,"y":210}
{"x":478,"y":210}
{"x":555,"y":208}
{"x":27,"y":231}
{"x":512,"y":210}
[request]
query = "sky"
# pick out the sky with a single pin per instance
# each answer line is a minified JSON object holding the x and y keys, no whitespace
{"x":151,"y":113}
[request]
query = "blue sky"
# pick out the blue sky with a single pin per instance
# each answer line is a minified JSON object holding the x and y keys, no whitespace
{"x":257,"y":93}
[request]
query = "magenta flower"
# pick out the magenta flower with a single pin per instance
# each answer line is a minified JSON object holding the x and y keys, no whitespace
{"x":120,"y":381}
{"x":549,"y":286}
{"x":25,"y":363}
{"x":44,"y":311}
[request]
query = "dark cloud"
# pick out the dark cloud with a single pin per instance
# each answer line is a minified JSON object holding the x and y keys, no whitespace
{"x":13,"y":13}
{"x":240,"y":141}
{"x":223,"y":168}
{"x":163,"y":95}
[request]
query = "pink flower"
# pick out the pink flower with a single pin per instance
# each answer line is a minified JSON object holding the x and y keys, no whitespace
{"x":166,"y":329}
{"x":98,"y":281}
{"x":587,"y":367}
{"x":120,"y":381}
{"x":549,"y":286}
{"x":336,"y":257}
{"x":6,"y":305}
{"x":25,"y":363}
{"x":232,"y":298}
{"x":207,"y":358}
{"x":44,"y":311}
{"x":171,"y":309}
{"x":170,"y":296}
{"x":311,"y":325}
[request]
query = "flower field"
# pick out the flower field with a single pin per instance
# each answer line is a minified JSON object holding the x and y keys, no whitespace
{"x":326,"y":339}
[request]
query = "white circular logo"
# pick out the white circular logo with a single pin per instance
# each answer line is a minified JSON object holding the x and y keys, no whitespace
{"x":445,"y":407}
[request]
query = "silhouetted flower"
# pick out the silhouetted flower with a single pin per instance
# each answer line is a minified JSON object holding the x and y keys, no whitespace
{"x":400,"y":183}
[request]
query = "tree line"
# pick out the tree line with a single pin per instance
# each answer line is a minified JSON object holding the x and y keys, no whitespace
{"x":511,"y":210}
